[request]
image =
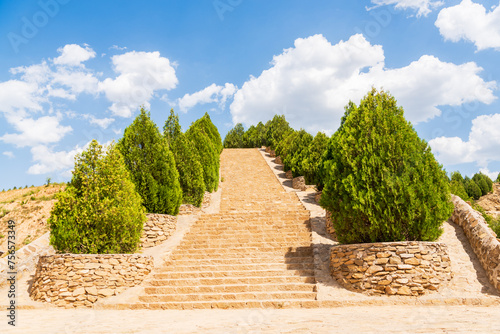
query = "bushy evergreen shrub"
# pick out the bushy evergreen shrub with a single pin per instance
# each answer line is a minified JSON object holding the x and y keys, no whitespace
{"x":311,"y":163}
{"x":99,"y":211}
{"x":277,"y":128}
{"x":207,"y":153}
{"x":255,"y":136}
{"x":187,"y":161}
{"x":484,"y":183}
{"x":234,"y":138}
{"x":498,"y":178}
{"x":472,"y":188}
{"x":152,"y":165}
{"x":382,"y":181}
{"x":296,"y":151}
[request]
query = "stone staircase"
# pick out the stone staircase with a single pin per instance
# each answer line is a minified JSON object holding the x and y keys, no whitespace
{"x":255,"y":253}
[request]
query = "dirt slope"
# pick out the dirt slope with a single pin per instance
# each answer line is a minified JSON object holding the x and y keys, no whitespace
{"x":491,"y":201}
{"x":29,"y":208}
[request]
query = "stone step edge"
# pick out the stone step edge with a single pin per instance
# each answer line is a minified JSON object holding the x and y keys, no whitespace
{"x":481,"y":302}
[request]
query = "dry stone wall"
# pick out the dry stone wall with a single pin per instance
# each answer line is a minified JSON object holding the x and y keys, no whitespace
{"x":157,"y":229}
{"x":483,"y":240}
{"x":397,"y":268}
{"x":73,"y":280}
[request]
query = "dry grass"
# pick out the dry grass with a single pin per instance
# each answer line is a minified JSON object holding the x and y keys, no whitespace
{"x":30,"y":209}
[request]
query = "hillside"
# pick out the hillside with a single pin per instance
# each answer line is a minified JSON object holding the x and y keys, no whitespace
{"x":29,"y":208}
{"x":491,"y":202}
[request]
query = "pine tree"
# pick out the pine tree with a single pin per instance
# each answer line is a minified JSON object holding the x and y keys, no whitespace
{"x":382,"y":181}
{"x":187,"y":161}
{"x":100,"y":210}
{"x":152,"y":165}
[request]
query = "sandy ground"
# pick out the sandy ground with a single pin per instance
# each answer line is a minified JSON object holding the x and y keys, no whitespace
{"x":381,"y":319}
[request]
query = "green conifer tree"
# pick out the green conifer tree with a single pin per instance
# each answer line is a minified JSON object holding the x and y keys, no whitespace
{"x":382,"y":181}
{"x":311,"y":163}
{"x":187,"y":161}
{"x":99,"y":211}
{"x":234,"y":138}
{"x":208,"y":154}
{"x":152,"y":165}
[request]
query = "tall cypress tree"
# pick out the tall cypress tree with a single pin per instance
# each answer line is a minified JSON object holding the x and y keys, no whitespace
{"x":208,"y":154}
{"x":152,"y":165}
{"x":99,"y":211}
{"x":187,"y":161}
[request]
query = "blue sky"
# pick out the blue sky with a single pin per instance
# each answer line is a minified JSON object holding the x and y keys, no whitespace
{"x":72,"y":71}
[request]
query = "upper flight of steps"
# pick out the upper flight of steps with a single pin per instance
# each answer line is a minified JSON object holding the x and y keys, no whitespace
{"x":255,"y":253}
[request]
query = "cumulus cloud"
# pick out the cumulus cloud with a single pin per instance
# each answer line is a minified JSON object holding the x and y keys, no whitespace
{"x":470,"y":21}
{"x":482,"y":146}
{"x":423,"y":7}
{"x":210,"y":94}
{"x":140,"y":75}
{"x":43,"y":130}
{"x":73,"y":55}
{"x":311,"y":83}
{"x":48,"y":161}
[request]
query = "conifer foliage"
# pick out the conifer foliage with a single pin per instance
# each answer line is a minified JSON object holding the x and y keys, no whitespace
{"x":186,"y":160}
{"x":382,"y":181}
{"x":208,"y":148}
{"x":151,"y":165}
{"x":99,"y":212}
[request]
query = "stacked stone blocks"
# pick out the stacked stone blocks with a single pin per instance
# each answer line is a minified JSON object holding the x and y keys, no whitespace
{"x":73,"y":280}
{"x":396,"y":268}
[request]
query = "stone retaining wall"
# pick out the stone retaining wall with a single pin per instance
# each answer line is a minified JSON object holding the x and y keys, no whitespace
{"x":72,"y":280}
{"x":393,"y":268}
{"x":483,"y":240}
{"x":157,"y":229}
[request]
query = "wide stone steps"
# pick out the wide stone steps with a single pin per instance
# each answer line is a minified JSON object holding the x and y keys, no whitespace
{"x":241,"y":260}
{"x":233,"y":267}
{"x":256,"y":252}
{"x":233,"y":273}
{"x":221,"y":304}
{"x":248,"y":251}
{"x":232,"y":288}
{"x":232,"y":280}
{"x":268,"y":295}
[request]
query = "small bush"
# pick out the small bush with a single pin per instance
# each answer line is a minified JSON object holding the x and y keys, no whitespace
{"x":99,"y":212}
{"x":382,"y":181}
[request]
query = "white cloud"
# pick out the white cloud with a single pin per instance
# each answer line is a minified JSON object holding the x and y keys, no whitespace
{"x":210,"y":94}
{"x":481,"y":147}
{"x":38,"y":73}
{"x":116,"y":47}
{"x":491,"y":175}
{"x":312,"y":82}
{"x":470,"y":21}
{"x":73,"y":55}
{"x":18,"y":97}
{"x":8,"y":154}
{"x":140,"y":75}
{"x":48,"y":161}
{"x":423,"y":7}
{"x":43,"y":130}
{"x":101,"y":122}
{"x":76,"y":80}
